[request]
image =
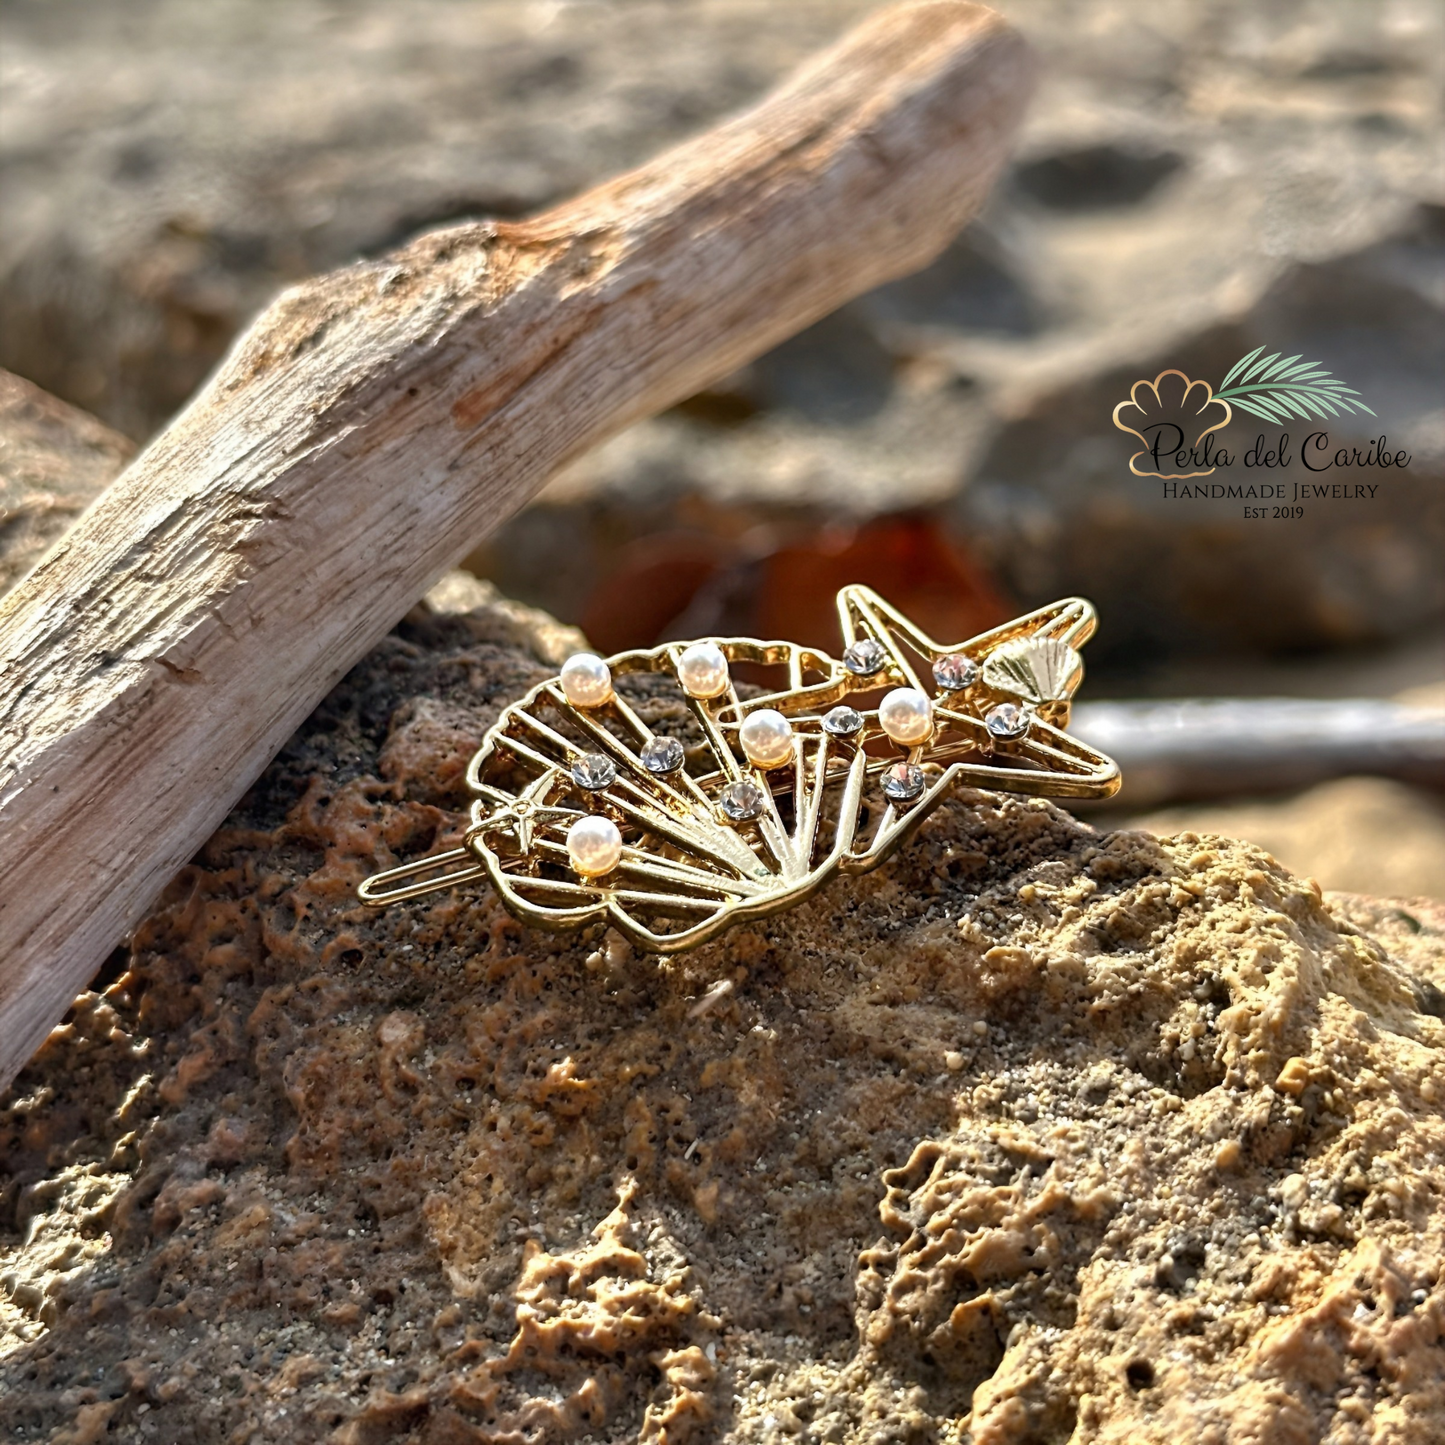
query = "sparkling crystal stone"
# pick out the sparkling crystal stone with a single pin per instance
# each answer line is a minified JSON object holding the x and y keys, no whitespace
{"x":903,"y":781}
{"x":594,"y":771}
{"x":843,"y":721}
{"x":864,"y":658}
{"x":742,"y":800}
{"x":1007,"y":720}
{"x":703,"y":670}
{"x":662,"y":755}
{"x":586,"y":680}
{"x":906,"y":715}
{"x":594,"y":845}
{"x":767,"y":738}
{"x":955,"y":672}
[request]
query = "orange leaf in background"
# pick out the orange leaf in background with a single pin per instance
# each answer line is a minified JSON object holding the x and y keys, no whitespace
{"x":911,"y":560}
{"x":692,"y":584}
{"x":652,"y":582}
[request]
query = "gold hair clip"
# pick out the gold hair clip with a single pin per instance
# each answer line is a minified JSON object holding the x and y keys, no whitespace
{"x":646,"y":790}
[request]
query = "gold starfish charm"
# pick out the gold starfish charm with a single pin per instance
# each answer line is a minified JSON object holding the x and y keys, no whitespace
{"x":676,"y":791}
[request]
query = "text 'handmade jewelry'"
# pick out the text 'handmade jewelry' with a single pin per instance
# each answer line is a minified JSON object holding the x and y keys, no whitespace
{"x":674,"y":792}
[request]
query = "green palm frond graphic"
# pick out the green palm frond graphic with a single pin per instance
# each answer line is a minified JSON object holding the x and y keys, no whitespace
{"x":1275,"y":390}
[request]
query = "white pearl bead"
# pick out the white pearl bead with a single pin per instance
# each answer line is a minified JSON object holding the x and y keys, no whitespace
{"x":586,"y":680}
{"x":703,"y":670}
{"x":595,"y":846}
{"x":767,"y":738}
{"x":906,"y":715}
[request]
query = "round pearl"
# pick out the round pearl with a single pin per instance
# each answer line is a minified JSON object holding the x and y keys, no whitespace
{"x":906,"y":715}
{"x":595,"y":846}
{"x":703,"y":670}
{"x":586,"y":680}
{"x":767,"y":738}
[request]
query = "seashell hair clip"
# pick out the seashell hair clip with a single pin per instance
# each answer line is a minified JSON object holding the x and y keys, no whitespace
{"x":675,"y":791}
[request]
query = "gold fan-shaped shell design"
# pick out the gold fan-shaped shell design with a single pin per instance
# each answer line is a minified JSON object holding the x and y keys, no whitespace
{"x":1037,"y":669}
{"x":714,"y":840}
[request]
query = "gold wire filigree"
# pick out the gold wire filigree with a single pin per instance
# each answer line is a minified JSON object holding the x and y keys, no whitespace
{"x":688,"y":869}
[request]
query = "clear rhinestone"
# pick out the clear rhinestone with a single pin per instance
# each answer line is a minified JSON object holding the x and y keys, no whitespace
{"x":742,"y":800}
{"x":955,"y":672}
{"x":843,"y":721}
{"x":864,"y":658}
{"x":903,"y":782}
{"x":662,"y":755}
{"x":594,"y":771}
{"x":1007,"y":720}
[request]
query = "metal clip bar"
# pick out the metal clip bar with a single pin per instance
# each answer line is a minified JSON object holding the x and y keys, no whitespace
{"x":375,"y":893}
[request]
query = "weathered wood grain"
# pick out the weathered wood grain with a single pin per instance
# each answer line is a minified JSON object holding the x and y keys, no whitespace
{"x":376,"y":423}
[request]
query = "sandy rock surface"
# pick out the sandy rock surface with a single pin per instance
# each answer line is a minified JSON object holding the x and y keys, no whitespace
{"x":168,"y":168}
{"x":1196,"y":179}
{"x":1035,"y":1134}
{"x":1359,"y":835}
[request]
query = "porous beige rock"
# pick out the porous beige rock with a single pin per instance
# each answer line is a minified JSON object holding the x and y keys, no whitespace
{"x":987,"y":1145}
{"x":1360,"y":835}
{"x":494,"y":618}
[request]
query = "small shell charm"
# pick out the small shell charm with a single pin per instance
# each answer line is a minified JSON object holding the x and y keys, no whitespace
{"x":1037,"y":669}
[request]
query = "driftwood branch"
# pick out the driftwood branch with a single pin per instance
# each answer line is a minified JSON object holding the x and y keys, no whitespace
{"x":375,"y":424}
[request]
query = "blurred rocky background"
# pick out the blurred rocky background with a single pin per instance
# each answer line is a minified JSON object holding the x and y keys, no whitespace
{"x":1196,"y":179}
